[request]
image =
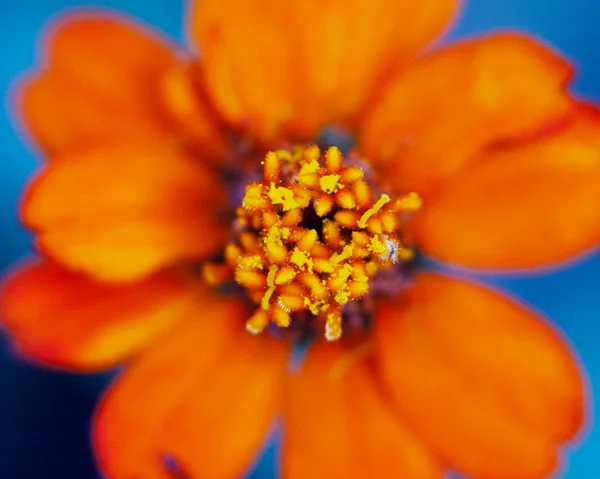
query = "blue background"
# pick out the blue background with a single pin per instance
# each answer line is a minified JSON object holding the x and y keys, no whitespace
{"x":44,"y":415}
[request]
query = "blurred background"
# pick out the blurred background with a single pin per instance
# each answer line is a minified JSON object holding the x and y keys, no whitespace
{"x":44,"y":415}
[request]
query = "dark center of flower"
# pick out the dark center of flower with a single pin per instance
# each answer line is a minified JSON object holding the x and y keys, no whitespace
{"x":311,"y":239}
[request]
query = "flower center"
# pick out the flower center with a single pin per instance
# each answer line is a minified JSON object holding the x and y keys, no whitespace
{"x":310,"y":238}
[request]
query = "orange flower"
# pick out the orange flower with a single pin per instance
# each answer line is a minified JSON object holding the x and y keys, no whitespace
{"x":474,"y":154}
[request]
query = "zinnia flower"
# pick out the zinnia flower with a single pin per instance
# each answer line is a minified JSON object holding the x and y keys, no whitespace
{"x":183,"y":201}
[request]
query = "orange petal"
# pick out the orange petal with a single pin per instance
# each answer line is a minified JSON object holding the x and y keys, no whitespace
{"x":120,"y":213}
{"x":492,"y":387}
{"x":65,"y":319}
{"x":105,"y":78}
{"x":201,"y":401}
{"x":339,"y":426}
{"x":287,"y":68}
{"x":454,"y":102}
{"x":525,"y":205}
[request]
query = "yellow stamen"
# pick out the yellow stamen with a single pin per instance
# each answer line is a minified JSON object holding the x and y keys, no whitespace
{"x":362,"y":192}
{"x":332,"y":234}
{"x":288,"y":266}
{"x":352,"y":174}
{"x":410,"y":202}
{"x":301,"y":259}
{"x":271,"y":167}
{"x":333,"y":326}
{"x":233,"y":253}
{"x":362,"y":223}
{"x":377,"y":246}
{"x":215,"y":274}
{"x":330,"y":183}
{"x":281,"y":317}
{"x":254,"y":198}
{"x":250,"y":262}
{"x":276,"y":252}
{"x":346,"y":199}
{"x":250,"y":279}
{"x":291,"y":302}
{"x":310,"y":167}
{"x":258,"y":321}
{"x":323,"y":205}
{"x":347,"y":219}
{"x":333,"y":159}
{"x":308,"y":240}
{"x":282,"y":196}
{"x":285,"y":275}
{"x":271,"y":284}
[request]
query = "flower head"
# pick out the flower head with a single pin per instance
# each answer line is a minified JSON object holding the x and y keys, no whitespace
{"x":311,"y":238}
{"x":188,"y":200}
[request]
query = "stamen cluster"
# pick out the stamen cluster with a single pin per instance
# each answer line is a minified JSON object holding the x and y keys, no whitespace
{"x":311,"y":236}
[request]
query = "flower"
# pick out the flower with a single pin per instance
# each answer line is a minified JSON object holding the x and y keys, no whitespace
{"x":152,"y":196}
